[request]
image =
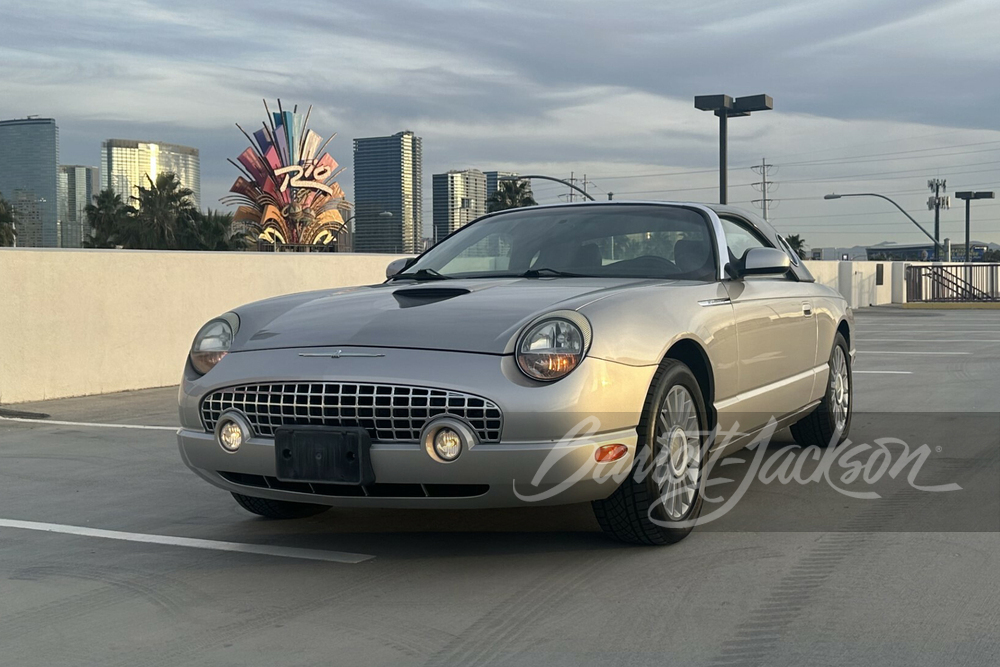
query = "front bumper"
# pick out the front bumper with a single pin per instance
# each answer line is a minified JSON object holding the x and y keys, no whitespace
{"x":488,"y":475}
{"x":541,"y":427}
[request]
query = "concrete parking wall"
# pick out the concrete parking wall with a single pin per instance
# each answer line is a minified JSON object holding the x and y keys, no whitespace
{"x":858,"y":281}
{"x":78,"y":322}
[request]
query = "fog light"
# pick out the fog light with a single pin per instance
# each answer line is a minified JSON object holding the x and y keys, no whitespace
{"x":445,"y":438}
{"x":447,"y":444}
{"x":609,"y":453}
{"x":232,"y":430}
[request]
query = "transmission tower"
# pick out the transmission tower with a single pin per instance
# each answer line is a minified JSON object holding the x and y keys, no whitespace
{"x":764,"y":187}
{"x":935,"y":203}
{"x":572,"y":194}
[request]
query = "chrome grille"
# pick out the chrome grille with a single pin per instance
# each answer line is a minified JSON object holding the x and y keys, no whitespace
{"x":390,"y":413}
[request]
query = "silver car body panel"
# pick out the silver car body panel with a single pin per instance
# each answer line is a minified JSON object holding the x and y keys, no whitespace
{"x":766,"y":339}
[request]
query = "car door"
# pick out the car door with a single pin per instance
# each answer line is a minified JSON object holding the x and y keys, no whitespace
{"x":776,"y":336}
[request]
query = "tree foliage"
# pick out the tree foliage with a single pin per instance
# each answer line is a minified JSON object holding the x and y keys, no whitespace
{"x":8,"y":231}
{"x":798,"y":244}
{"x":160,"y":217}
{"x":511,"y":194}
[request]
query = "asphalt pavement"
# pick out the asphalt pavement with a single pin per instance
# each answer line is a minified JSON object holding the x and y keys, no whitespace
{"x":113,"y":553}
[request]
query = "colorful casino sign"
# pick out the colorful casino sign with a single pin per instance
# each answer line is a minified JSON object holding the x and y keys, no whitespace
{"x":287,"y":193}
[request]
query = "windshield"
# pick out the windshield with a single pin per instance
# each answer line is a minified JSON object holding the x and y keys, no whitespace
{"x":602,"y":240}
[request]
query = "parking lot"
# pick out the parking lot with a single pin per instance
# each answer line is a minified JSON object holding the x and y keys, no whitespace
{"x":113,"y":553}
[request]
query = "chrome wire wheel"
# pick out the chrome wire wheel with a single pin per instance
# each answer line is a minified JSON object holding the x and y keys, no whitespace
{"x":677,"y":465}
{"x":840,"y":388}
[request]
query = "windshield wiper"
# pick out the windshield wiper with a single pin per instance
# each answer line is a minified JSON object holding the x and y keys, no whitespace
{"x":545,"y":271}
{"x":422,"y":274}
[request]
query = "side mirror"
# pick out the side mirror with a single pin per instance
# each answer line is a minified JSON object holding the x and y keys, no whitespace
{"x":397,"y":266}
{"x":764,"y":262}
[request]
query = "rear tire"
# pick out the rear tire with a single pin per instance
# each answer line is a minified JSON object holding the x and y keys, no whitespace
{"x":662,"y":495}
{"x":819,"y":427}
{"x":278,"y":509}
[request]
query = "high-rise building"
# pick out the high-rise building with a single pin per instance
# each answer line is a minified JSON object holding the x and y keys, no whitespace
{"x":492,"y":178}
{"x":29,"y":166}
{"x":79,"y":184}
{"x":459,"y":198}
{"x":388,"y":196}
{"x":126,"y":164}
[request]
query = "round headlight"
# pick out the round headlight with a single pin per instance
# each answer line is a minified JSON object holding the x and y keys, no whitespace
{"x":212,"y":343}
{"x":550,"y":349}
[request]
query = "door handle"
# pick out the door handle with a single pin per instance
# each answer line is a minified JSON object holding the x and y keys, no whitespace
{"x":807,"y":309}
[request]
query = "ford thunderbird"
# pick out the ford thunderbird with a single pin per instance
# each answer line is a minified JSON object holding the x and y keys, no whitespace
{"x":553,"y":354}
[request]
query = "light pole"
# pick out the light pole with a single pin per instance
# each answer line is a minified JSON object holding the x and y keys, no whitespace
{"x":968,"y":197}
{"x":725,"y":107}
{"x":937,"y":245}
{"x":528,"y":177}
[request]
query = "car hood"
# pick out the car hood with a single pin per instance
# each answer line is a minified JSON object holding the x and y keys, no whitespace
{"x":470,"y":315}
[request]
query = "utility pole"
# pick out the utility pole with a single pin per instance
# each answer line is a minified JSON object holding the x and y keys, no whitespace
{"x":935,"y":203}
{"x":763,"y":186}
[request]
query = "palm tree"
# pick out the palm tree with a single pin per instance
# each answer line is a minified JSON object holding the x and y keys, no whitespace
{"x":213,"y":230}
{"x":511,"y":194}
{"x":8,"y":231}
{"x":107,"y":217}
{"x":798,"y":244}
{"x":164,"y":212}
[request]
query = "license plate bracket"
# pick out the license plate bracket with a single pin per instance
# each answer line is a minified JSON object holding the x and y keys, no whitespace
{"x":324,"y":455}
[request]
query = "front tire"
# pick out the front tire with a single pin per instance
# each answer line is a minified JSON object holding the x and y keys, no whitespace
{"x":278,"y":509}
{"x":830,"y":422}
{"x":661,"y":497}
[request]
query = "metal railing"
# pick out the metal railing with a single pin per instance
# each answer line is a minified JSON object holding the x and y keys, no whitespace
{"x":953,"y":282}
{"x":267,"y":246}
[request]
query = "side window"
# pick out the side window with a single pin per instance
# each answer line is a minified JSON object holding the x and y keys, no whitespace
{"x":739,"y":238}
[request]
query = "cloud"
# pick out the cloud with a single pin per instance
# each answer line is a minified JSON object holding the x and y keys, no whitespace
{"x":598,"y":88}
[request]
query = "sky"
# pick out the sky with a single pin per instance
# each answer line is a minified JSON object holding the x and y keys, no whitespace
{"x":869,"y":95}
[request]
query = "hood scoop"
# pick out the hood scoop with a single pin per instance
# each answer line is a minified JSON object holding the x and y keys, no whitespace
{"x":421,"y":296}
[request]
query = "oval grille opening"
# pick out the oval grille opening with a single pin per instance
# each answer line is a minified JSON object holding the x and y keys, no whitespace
{"x":390,"y":413}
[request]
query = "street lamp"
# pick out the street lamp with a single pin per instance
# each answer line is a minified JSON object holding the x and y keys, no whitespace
{"x":725,"y":107}
{"x":968,"y":197}
{"x":937,"y":245}
{"x":528,"y":177}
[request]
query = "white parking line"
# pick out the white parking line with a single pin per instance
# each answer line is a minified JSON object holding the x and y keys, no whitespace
{"x":885,"y":372}
{"x":24,"y":420}
{"x":907,"y":352}
{"x":167,"y":540}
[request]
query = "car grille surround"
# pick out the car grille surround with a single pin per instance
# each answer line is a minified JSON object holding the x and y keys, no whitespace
{"x":389,"y":412}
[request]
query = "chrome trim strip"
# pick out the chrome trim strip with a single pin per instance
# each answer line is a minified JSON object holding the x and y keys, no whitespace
{"x":812,"y":372}
{"x":714,"y":302}
{"x":339,"y":353}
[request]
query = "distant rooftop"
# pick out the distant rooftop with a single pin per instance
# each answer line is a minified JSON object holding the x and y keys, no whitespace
{"x":134,"y":143}
{"x":28,"y":121}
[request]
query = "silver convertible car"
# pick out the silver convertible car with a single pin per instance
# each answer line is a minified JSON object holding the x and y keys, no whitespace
{"x":553,"y":354}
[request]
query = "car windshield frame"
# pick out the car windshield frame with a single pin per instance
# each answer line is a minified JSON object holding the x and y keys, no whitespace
{"x":696,"y":218}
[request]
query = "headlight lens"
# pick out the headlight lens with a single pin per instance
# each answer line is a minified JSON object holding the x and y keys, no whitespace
{"x":550,"y":350}
{"x":212,"y":343}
